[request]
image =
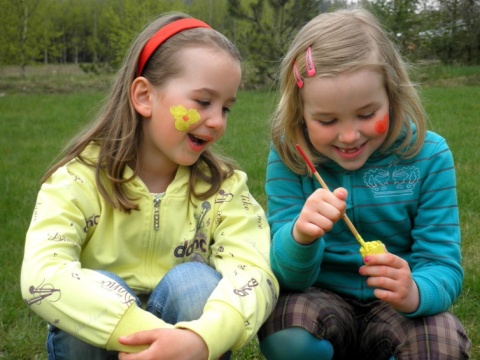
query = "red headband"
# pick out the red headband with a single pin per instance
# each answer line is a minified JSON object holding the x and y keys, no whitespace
{"x":163,"y":34}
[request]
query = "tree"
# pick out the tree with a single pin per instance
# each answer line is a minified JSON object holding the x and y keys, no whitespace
{"x":451,"y":31}
{"x":50,"y":34}
{"x":215,"y":13}
{"x":264,"y":29}
{"x":401,"y":18}
{"x":100,"y":31}
{"x":470,"y":15}
{"x":22,"y":30}
{"x":126,"y":18}
{"x":7,"y":32}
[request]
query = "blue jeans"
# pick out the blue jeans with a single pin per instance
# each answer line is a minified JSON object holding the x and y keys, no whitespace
{"x":180,"y":296}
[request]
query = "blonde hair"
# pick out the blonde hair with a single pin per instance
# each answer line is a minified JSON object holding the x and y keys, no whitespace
{"x":117,"y":130}
{"x":340,"y":41}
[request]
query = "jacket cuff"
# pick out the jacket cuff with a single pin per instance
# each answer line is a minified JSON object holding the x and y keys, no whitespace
{"x":287,"y":247}
{"x":221,"y":327}
{"x":134,"y":320}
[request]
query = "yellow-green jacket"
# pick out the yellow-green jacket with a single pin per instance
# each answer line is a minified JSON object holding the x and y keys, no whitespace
{"x":74,"y":232}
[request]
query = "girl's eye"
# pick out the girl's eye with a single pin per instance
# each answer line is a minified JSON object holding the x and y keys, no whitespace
{"x":327,"y":122}
{"x":206,"y":103}
{"x":203,"y":102}
{"x":367,"y":116}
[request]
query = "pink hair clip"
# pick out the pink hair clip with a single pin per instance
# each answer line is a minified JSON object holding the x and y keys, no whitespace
{"x":296,"y":75}
{"x":309,"y":62}
{"x":308,"y":65}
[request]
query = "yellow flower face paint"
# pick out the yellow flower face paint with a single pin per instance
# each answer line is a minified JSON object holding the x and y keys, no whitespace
{"x":183,"y":117}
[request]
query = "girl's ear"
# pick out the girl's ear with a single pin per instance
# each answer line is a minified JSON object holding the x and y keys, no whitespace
{"x":140,"y":95}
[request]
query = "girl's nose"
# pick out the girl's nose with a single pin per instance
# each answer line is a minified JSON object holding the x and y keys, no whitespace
{"x":349,"y":134}
{"x":217,"y":119}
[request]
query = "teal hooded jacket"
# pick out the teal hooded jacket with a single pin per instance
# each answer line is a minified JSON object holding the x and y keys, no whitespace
{"x":408,"y":204}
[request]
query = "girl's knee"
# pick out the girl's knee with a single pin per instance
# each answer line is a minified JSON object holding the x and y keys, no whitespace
{"x":295,"y":343}
{"x":122,"y":283}
{"x":191,"y":275}
{"x":182,"y":293}
{"x":429,"y":337}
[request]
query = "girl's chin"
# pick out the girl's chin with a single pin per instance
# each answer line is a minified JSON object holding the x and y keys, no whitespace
{"x":349,"y":164}
{"x":189,"y":159}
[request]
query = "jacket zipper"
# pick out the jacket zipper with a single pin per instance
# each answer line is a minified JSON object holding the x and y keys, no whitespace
{"x":156,"y":212}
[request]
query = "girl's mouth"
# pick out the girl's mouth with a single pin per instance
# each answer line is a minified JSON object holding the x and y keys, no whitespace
{"x":198,"y":143}
{"x":197,"y":140}
{"x":350,"y":153}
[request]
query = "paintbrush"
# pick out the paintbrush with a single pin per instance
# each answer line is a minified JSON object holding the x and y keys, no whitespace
{"x":367,"y":248}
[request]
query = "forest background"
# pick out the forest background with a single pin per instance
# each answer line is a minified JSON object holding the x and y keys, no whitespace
{"x":96,"y":33}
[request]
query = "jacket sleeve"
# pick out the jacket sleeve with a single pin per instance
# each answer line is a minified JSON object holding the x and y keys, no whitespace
{"x":248,"y":290}
{"x":296,"y":266}
{"x":436,"y":250}
{"x":54,"y":284}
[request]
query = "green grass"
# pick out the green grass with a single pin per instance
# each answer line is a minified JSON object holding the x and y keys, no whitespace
{"x":455,"y":114}
{"x":52,"y":79}
{"x":443,"y":75}
{"x":34,"y":128}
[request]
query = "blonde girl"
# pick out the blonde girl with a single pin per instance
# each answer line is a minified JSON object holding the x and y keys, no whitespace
{"x":347,"y":100}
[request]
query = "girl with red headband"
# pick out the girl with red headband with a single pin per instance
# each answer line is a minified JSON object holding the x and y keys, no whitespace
{"x":144,"y":243}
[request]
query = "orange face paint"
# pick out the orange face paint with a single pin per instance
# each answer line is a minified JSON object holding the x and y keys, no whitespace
{"x":183,"y":117}
{"x":381,"y":126}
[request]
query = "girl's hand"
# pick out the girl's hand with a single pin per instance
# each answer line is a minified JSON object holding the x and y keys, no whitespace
{"x":391,"y":277}
{"x":321,"y":210}
{"x":166,"y":344}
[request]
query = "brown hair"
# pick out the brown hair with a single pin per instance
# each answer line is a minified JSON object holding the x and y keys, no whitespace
{"x":117,"y":130}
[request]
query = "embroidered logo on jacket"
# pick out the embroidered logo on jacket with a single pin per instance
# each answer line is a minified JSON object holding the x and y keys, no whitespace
{"x":223,"y":197}
{"x":41,"y":292}
{"x":393,"y":181}
{"x":191,"y":247}
{"x":188,"y":248}
{"x":246,"y":289}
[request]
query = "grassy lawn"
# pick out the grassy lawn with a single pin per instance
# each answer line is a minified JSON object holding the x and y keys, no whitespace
{"x":35,"y":127}
{"x":455,"y":114}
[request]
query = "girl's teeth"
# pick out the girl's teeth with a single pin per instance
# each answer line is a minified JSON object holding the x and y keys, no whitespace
{"x":196,"y":140}
{"x":348,"y":151}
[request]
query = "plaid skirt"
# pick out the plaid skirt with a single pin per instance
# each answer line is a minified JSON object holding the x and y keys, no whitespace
{"x":372,"y":330}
